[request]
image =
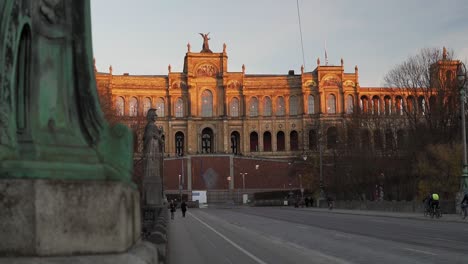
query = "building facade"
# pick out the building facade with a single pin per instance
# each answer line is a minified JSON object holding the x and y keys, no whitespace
{"x":208,"y":110}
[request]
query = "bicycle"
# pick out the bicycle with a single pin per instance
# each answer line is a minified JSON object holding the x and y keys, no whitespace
{"x":435,"y":211}
{"x":427,"y":210}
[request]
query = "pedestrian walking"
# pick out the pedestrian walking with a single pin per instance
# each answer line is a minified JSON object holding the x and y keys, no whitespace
{"x":172,"y":207}
{"x":183,"y":206}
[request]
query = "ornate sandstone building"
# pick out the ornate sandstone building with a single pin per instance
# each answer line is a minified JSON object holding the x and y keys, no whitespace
{"x":240,"y":120}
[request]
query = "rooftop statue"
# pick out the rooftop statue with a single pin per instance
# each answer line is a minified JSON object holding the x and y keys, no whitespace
{"x":206,"y":46}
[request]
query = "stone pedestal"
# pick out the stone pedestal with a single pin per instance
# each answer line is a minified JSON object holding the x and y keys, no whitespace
{"x":56,"y":217}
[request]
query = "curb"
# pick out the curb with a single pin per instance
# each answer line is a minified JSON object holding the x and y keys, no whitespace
{"x":386,"y":214}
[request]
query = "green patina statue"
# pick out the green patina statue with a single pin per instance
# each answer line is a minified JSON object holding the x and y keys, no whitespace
{"x":51,"y":124}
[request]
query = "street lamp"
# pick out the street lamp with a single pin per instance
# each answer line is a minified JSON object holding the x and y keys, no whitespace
{"x":461,"y":78}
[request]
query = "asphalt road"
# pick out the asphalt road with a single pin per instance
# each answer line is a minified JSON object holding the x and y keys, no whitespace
{"x":288,"y":235}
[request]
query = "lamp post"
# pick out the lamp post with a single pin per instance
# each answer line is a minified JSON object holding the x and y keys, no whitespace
{"x":461,"y":78}
{"x":322,"y":192}
{"x":180,"y":187}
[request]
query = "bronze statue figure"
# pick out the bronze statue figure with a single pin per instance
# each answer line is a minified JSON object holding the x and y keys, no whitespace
{"x":206,"y":46}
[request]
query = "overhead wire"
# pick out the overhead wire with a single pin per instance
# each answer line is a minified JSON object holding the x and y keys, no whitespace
{"x":300,"y":31}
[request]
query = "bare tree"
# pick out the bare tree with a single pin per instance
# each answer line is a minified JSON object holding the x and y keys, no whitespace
{"x":429,"y":84}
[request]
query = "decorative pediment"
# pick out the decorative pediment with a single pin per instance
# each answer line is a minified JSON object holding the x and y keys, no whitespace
{"x":330,"y":80}
{"x":310,"y":83}
{"x":349,"y":83}
{"x":206,"y":70}
{"x":234,"y":84}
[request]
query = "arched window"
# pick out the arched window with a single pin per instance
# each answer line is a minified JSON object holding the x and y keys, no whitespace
{"x":388,"y":105}
{"x":234,"y":107}
{"x":119,"y":106}
{"x":378,"y":144}
{"x":147,"y":106}
{"x":280,"y":106}
{"x":311,"y":105}
{"x":267,"y":106}
{"x":332,"y":137}
{"x":280,"y":141}
{"x":376,"y":105}
{"x":133,"y":104}
{"x":421,"y":105}
{"x":399,"y":105}
{"x":253,"y":142}
{"x":364,"y":104}
{"x":349,"y":104}
{"x":160,"y":107}
{"x":179,"y":108}
{"x":235,"y":142}
{"x":179,"y":143}
{"x":207,"y":103}
{"x":207,"y":140}
{"x":267,"y":141}
{"x":312,"y":140}
{"x":294,"y":140}
{"x":253,"y":107}
{"x":331,"y":104}
{"x":293,"y":105}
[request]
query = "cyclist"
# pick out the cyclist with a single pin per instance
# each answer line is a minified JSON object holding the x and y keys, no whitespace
{"x":434,"y":202}
{"x":427,"y":204}
{"x":464,"y":204}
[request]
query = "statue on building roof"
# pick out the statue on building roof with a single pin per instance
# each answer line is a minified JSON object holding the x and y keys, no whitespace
{"x":302,"y":69}
{"x":169,"y":68}
{"x":444,"y":53}
{"x":243,"y":68}
{"x":224,"y":47}
{"x":318,"y":61}
{"x":206,"y":46}
{"x":110,"y":69}
{"x":342,"y":62}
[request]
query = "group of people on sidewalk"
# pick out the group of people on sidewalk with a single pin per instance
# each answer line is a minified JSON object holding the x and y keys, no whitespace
{"x":173,"y":206}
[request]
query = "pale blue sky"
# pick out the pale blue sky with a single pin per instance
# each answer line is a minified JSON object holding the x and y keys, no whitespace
{"x":143,"y":36}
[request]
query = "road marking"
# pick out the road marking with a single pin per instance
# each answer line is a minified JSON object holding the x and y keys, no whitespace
{"x":380,"y":221}
{"x":252,"y":256}
{"x":441,"y":239}
{"x":420,"y":251}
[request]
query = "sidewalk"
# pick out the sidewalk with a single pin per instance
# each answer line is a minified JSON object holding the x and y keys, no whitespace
{"x":419,"y":216}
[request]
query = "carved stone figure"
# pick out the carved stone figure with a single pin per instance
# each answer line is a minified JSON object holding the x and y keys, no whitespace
{"x":153,"y":153}
{"x":206,"y":46}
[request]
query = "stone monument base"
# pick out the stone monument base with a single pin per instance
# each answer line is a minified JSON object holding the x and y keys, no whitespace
{"x":141,"y":253}
{"x":67,"y":217}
